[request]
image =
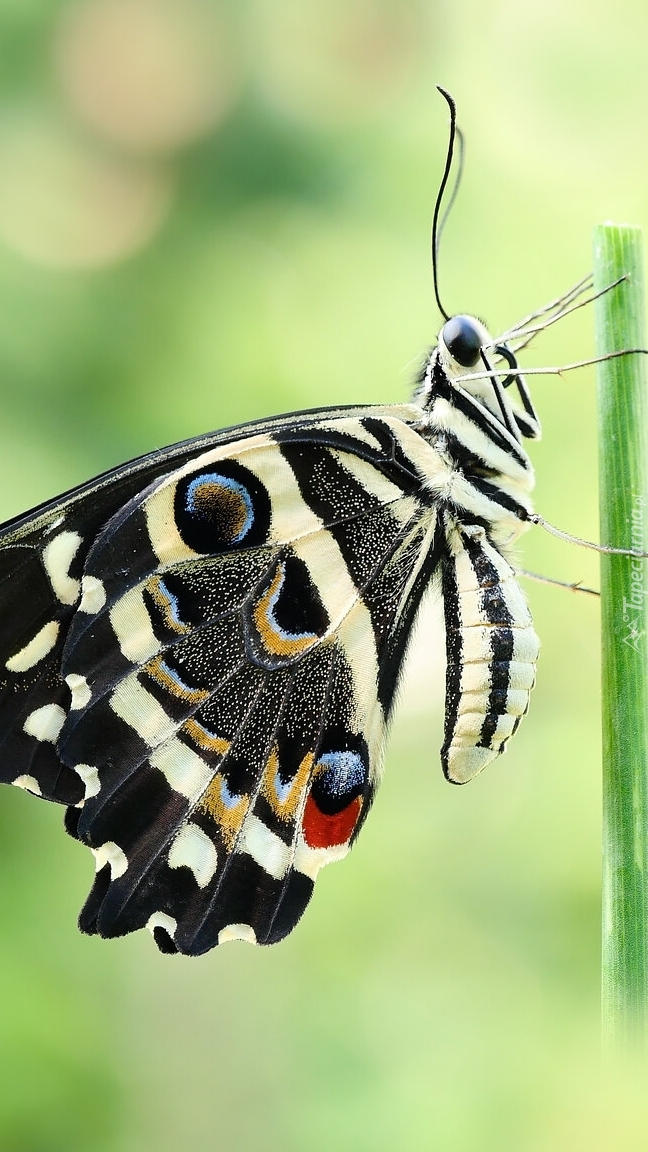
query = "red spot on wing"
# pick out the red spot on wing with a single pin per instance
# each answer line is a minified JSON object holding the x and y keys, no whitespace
{"x":322,"y":831}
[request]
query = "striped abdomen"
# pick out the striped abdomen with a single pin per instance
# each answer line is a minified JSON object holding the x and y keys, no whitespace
{"x":492,"y":651}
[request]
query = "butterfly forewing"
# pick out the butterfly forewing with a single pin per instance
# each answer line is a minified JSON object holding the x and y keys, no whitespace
{"x":42,"y":557}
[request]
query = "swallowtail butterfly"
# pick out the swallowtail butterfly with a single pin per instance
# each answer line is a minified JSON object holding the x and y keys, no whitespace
{"x":199,"y":650}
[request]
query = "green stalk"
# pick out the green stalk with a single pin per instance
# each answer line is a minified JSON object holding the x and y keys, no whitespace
{"x":623,"y":468}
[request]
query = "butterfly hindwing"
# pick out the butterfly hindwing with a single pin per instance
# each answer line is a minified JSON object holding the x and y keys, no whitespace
{"x":231,"y":664}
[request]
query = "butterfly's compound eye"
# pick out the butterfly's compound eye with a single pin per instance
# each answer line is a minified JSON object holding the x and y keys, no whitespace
{"x":463,"y":336}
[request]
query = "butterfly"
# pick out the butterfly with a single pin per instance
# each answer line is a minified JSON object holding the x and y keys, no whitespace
{"x":200,"y":649}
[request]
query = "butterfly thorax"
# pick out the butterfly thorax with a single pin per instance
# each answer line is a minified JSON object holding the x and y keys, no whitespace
{"x":465,"y":422}
{"x":457,"y":371}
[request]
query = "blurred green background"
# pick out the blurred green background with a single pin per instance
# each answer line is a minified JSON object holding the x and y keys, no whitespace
{"x":215,"y":211}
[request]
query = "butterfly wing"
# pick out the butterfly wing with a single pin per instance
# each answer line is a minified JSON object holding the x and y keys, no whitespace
{"x":42,"y":555}
{"x":232,"y":663}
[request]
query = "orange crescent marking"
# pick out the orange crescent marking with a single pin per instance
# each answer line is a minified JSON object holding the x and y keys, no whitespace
{"x":274,"y":641}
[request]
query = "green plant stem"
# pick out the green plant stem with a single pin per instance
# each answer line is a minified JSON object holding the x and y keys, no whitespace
{"x":623,"y":469}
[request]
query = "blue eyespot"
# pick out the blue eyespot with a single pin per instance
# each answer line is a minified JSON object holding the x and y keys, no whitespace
{"x":212,"y":497}
{"x":220,"y":509}
{"x":339,"y":778}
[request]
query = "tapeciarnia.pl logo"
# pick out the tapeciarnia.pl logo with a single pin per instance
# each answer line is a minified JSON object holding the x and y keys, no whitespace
{"x":634,"y":604}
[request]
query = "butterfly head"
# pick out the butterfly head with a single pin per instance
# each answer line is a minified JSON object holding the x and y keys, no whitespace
{"x":461,"y":341}
{"x":468,"y":358}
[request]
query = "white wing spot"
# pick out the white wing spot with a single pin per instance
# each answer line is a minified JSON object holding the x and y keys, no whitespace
{"x":36,"y":650}
{"x":57,"y":557}
{"x":93,"y":595}
{"x":162,"y":920}
{"x":186,"y":772}
{"x":133,"y":629}
{"x":90,"y":776}
{"x":80,"y":689}
{"x":193,"y":849}
{"x":142,"y":712}
{"x":45,"y":723}
{"x":29,"y":783}
{"x":309,"y":860}
{"x":265,"y":847}
{"x":237,"y":932}
{"x":111,"y":854}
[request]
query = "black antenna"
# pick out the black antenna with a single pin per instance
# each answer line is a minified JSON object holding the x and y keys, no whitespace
{"x":459,"y":136}
{"x":437,"y":227}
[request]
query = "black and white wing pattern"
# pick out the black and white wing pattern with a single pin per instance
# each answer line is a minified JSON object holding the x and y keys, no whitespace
{"x":200,"y":650}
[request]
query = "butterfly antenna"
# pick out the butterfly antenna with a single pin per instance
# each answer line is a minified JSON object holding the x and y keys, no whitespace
{"x":461,"y":148}
{"x":438,"y":224}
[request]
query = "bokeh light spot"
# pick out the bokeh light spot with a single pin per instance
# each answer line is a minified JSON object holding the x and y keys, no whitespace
{"x":65,"y":204}
{"x":336,"y":62}
{"x":147,"y":74}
